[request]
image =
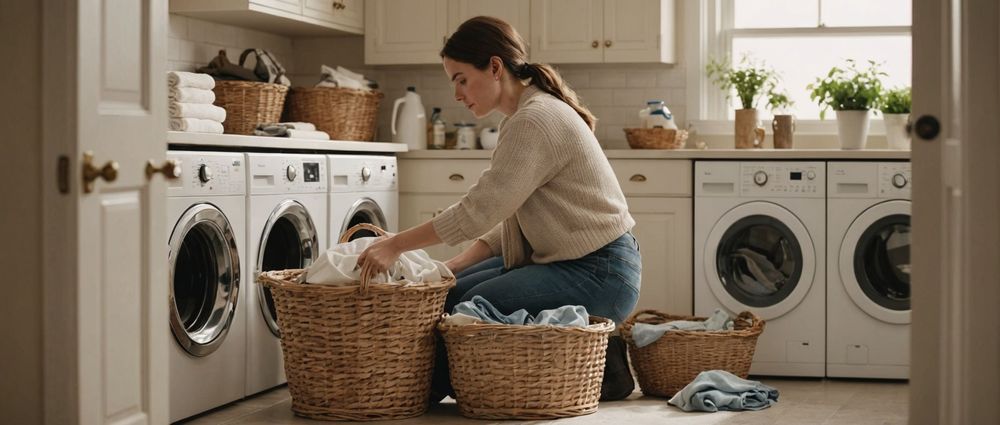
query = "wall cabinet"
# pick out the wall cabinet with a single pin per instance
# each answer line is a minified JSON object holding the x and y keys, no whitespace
{"x":286,"y":17}
{"x":596,"y":31}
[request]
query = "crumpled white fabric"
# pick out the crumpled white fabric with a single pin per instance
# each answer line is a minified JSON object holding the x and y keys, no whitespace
{"x":339,"y":266}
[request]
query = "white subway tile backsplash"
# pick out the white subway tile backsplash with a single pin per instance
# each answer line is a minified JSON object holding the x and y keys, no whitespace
{"x":607,"y":79}
{"x":641,"y":79}
{"x":178,"y":27}
{"x":673,"y":77}
{"x":596,"y":97}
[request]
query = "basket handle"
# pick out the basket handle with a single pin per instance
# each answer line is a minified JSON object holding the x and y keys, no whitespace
{"x":365,"y":275}
{"x":635,"y":316}
{"x":752,"y":319}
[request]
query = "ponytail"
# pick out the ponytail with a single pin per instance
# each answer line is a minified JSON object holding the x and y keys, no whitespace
{"x":548,"y":80}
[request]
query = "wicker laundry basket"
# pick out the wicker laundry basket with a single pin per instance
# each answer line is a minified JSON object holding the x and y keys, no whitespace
{"x":360,"y":352}
{"x":671,"y":362}
{"x":344,"y":114}
{"x":655,"y":138}
{"x":248,"y":103}
{"x":526,"y":372}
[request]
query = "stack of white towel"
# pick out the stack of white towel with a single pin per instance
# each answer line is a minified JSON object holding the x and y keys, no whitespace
{"x":343,"y":78}
{"x":191,"y":109}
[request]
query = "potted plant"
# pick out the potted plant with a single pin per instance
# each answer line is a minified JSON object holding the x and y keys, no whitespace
{"x":851,"y":92}
{"x":783,"y":123}
{"x":750,"y":81}
{"x":896,"y":112}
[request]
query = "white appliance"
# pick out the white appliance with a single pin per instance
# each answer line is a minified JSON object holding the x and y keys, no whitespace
{"x":759,"y":234}
{"x":362,"y":190}
{"x":868,"y":275}
{"x":286,"y":226}
{"x":412,"y":127}
{"x":206,"y":224}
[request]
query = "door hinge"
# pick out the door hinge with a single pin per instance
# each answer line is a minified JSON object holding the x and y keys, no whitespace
{"x":62,"y":174}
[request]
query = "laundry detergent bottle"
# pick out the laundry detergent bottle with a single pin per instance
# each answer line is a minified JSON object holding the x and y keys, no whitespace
{"x":411,"y":127}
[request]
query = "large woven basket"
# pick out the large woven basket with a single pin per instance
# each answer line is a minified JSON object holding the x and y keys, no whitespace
{"x":345,"y":114}
{"x":655,"y":138}
{"x":248,"y":103}
{"x":526,"y":372}
{"x":674,"y":360}
{"x":360,"y":352}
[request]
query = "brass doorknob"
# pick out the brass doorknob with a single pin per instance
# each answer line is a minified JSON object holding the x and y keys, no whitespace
{"x":171,"y":169}
{"x":109,"y":172}
{"x":607,"y":43}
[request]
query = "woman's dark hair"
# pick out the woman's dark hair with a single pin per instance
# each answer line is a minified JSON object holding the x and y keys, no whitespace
{"x":480,"y":38}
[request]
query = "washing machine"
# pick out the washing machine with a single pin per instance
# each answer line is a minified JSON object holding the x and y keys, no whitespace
{"x":760,"y":245}
{"x":206,"y":225}
{"x":286,"y":211}
{"x":363,"y":189}
{"x":868,"y":276}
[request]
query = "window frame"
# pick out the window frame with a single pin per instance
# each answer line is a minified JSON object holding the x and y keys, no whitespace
{"x":709,"y":33}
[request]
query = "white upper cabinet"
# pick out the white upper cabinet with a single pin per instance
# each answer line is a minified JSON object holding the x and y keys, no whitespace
{"x":286,"y":17}
{"x":517,"y":13}
{"x":595,"y":31}
{"x":405,"y":31}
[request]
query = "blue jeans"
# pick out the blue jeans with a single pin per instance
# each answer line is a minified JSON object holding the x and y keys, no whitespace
{"x":606,"y":282}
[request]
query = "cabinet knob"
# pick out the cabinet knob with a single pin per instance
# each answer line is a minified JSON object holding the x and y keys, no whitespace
{"x":637,"y":178}
{"x":595,"y":44}
{"x":607,"y":43}
{"x":456,"y":177}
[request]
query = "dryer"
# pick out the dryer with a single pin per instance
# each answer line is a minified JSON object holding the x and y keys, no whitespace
{"x":206,"y":224}
{"x":868,"y":292}
{"x":286,"y":211}
{"x":760,"y":246}
{"x":363,"y":189}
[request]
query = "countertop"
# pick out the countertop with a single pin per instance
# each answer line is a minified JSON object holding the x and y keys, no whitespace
{"x":177,"y":139}
{"x":764,"y":154}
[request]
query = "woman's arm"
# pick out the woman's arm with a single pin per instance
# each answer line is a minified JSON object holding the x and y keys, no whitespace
{"x":383,"y":253}
{"x":472,"y":255}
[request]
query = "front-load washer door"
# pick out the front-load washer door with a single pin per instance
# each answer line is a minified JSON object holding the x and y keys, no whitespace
{"x":205,"y":278}
{"x":759,"y":257}
{"x":364,"y":210}
{"x":289,"y":241}
{"x":875,"y":261}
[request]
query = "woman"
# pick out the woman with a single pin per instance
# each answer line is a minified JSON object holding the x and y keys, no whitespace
{"x":550,"y":222}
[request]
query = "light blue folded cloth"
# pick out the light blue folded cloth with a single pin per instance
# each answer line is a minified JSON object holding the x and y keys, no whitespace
{"x":644,"y":334}
{"x":480,"y":308}
{"x":716,"y":390}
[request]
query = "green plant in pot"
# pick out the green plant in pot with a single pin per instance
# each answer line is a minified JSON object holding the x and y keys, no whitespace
{"x":851,"y":92}
{"x":750,"y":81}
{"x":783,"y":123}
{"x":896,"y":112}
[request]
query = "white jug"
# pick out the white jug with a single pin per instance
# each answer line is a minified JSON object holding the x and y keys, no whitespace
{"x":412,"y":121}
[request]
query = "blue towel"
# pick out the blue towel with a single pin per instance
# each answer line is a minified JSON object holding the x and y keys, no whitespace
{"x":480,"y":308}
{"x":644,"y":334}
{"x":716,"y":390}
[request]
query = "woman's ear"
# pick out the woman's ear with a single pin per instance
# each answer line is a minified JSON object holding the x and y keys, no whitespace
{"x":496,"y":67}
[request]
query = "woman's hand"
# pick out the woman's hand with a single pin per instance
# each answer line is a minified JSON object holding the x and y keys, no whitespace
{"x":379,"y":256}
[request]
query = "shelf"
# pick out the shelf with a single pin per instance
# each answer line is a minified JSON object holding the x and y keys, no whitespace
{"x":233,"y":142}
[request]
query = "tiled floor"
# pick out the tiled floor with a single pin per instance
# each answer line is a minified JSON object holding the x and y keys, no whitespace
{"x":802,"y":402}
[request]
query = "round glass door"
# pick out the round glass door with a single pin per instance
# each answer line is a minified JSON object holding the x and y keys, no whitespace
{"x":289,"y":241}
{"x":875,"y":261}
{"x":205,"y":276}
{"x":365,"y":210}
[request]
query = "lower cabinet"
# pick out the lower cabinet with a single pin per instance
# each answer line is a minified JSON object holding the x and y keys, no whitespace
{"x":663,"y":229}
{"x":416,"y":209}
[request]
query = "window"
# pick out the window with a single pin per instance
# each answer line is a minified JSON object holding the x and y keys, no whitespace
{"x":803,"y":39}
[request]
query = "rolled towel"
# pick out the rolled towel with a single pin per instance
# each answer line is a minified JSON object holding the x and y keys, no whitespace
{"x":190,"y":79}
{"x":195,"y":125}
{"x":197,"y":110}
{"x":305,"y":134}
{"x":191,"y":95}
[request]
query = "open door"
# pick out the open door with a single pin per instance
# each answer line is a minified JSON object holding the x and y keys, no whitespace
{"x":105,"y":284}
{"x":956,"y":200}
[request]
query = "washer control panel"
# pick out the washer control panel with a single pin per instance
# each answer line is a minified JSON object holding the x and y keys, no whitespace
{"x":894,"y":180}
{"x":204,"y":173}
{"x":783,"y":179}
{"x":286,"y":173}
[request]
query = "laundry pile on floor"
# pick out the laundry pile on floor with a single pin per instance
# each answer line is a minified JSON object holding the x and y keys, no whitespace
{"x":716,"y":390}
{"x":338,"y":266}
{"x":293,"y":130}
{"x":190,"y":105}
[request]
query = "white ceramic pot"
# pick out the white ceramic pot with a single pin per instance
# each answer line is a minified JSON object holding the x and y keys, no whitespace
{"x":852,"y":127}
{"x":489,"y":138}
{"x":895,"y":131}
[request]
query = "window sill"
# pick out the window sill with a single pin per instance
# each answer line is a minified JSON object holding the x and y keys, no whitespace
{"x":826,"y":127}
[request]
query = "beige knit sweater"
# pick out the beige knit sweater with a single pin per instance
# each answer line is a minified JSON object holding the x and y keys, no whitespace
{"x":549,"y":194}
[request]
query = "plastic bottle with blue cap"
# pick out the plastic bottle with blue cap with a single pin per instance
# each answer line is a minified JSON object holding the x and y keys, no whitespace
{"x":656,"y":115}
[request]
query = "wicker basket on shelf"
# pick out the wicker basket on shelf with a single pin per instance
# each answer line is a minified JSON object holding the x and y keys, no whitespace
{"x":344,"y":114}
{"x":248,"y":103}
{"x":360,"y":352}
{"x":655,"y":138}
{"x":671,"y":362}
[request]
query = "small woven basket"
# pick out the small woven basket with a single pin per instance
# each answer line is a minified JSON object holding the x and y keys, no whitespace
{"x":526,"y":372}
{"x":248,"y":103}
{"x":655,"y":138}
{"x":667,"y":365}
{"x":344,"y":114}
{"x":361,"y":352}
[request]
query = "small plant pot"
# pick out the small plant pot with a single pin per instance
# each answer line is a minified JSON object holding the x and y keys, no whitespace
{"x":852,"y":127}
{"x":895,"y":131}
{"x":784,"y":130}
{"x":748,"y":132}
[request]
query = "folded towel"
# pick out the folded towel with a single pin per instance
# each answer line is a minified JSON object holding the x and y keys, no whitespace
{"x":306,"y":134}
{"x":481,"y":309}
{"x":335,"y":78}
{"x":644,"y":334}
{"x":716,"y":390}
{"x":190,"y":79}
{"x":197,"y":110}
{"x":190,"y":95}
{"x":195,"y":125}
{"x":299,"y":125}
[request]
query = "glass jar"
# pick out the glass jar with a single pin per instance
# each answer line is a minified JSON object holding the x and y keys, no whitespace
{"x":466,"y":136}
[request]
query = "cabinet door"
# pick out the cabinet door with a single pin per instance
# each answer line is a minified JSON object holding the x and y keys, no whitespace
{"x":663,"y":228}
{"x":405,"y":31}
{"x":632,"y":30}
{"x":567,"y":31}
{"x":293,"y":6}
{"x":416,"y":209}
{"x":516,"y":13}
{"x":346,"y":13}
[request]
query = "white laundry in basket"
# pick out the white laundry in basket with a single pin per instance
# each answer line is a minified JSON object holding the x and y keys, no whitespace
{"x":339,"y":266}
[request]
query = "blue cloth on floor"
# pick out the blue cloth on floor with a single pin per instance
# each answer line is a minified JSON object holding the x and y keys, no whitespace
{"x":480,"y":308}
{"x":644,"y":334}
{"x":716,"y":390}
